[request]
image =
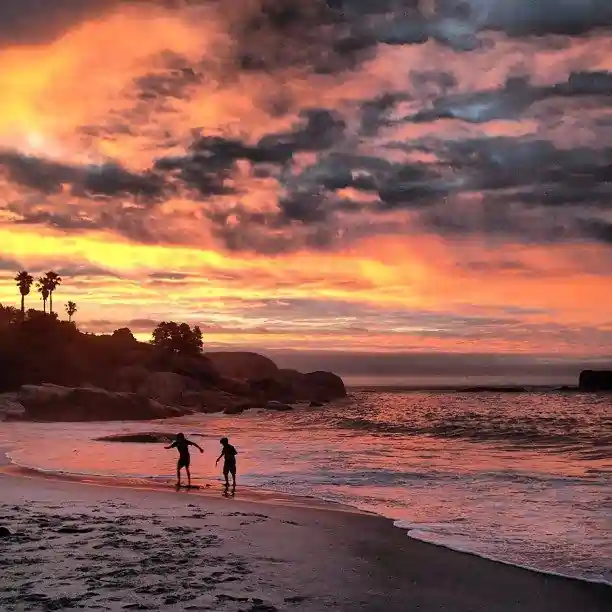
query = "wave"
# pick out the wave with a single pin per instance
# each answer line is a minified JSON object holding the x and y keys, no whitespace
{"x":419,"y":533}
{"x":510,"y":431}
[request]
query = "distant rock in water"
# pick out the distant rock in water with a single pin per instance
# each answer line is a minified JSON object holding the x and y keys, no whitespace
{"x":142,"y":437}
{"x":278,"y":406}
{"x":595,"y":380}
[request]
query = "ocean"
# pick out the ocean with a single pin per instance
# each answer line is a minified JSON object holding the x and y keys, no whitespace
{"x":521,"y":478}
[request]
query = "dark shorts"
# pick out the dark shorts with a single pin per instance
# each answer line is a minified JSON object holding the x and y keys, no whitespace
{"x":229,"y":468}
{"x":183,"y":462}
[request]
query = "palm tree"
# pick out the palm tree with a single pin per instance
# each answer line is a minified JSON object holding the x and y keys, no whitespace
{"x":24,"y":282}
{"x":53,"y":281}
{"x":71,"y":309}
{"x":42,"y":286}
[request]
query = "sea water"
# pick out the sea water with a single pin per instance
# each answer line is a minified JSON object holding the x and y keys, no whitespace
{"x":522,"y":478}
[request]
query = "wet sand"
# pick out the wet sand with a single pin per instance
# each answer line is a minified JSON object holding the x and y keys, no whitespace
{"x":133,"y":547}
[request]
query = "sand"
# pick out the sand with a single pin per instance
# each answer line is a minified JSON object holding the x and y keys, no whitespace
{"x":99,"y":547}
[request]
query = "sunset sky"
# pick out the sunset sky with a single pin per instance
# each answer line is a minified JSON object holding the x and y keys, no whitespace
{"x":392,"y":175}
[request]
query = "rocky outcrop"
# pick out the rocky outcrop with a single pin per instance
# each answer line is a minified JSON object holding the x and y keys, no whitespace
{"x":242,"y":365}
{"x":55,"y":403}
{"x":325,"y":386}
{"x":167,"y":387}
{"x":290,"y":386}
{"x":10,"y":407}
{"x":595,"y":380}
{"x":214,"y":400}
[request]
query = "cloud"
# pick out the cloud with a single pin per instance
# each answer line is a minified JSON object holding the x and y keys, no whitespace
{"x":32,"y":21}
{"x":516,"y":97}
{"x":457,"y":23}
{"x":49,"y":176}
{"x":8,"y":264}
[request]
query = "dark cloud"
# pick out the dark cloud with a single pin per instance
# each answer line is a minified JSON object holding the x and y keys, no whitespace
{"x":459,"y":23}
{"x":512,"y":100}
{"x":8,"y":264}
{"x":49,"y":177}
{"x":375,"y":113}
{"x":211,"y":160}
{"x":77,"y":270}
{"x":38,"y":21}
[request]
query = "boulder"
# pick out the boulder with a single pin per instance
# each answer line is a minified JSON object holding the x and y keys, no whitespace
{"x":274,"y":389}
{"x":325,"y":386}
{"x":167,"y":387}
{"x":278,"y":406}
{"x":595,"y":380}
{"x":152,"y":437}
{"x":199,"y":369}
{"x":291,"y":386}
{"x":214,"y":400}
{"x":54,"y":403}
{"x":236,"y":408}
{"x":242,"y":365}
{"x":234,"y":386}
{"x":11,"y":408}
{"x":129,"y":378}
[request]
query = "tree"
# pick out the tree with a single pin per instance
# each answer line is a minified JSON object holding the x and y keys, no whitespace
{"x":42,"y":286}
{"x":9,"y":315}
{"x":178,"y":338}
{"x":71,"y":309}
{"x":24,"y":282}
{"x":54,"y":280}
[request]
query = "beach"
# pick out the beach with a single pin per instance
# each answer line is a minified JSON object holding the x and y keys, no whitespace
{"x":90,"y":545}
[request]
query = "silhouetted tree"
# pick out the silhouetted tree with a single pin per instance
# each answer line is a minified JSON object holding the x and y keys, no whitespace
{"x":178,"y":338}
{"x":124,"y":335}
{"x":71,"y":309}
{"x":42,"y":286}
{"x":54,"y":280}
{"x":24,"y":282}
{"x":9,"y":315}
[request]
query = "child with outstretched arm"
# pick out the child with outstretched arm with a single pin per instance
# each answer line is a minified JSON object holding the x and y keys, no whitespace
{"x":182,"y":444}
{"x":228,"y":452}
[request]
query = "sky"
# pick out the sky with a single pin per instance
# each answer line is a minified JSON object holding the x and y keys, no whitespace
{"x":352,"y":175}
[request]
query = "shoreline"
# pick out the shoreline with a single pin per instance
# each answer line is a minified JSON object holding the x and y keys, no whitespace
{"x":209,"y":490}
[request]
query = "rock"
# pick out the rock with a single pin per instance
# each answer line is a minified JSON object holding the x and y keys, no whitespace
{"x":11,"y":409}
{"x":130,"y":378}
{"x":273,"y":389}
{"x":142,"y":437}
{"x":5,"y":532}
{"x":199,"y":369}
{"x":325,"y":386}
{"x":237,"y":408}
{"x":234,"y":386}
{"x":242,"y":365}
{"x":166,"y":387}
{"x":55,"y":403}
{"x":278,"y":406}
{"x":315,"y":404}
{"x":214,"y":400}
{"x":595,"y":380}
{"x":291,"y":386}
